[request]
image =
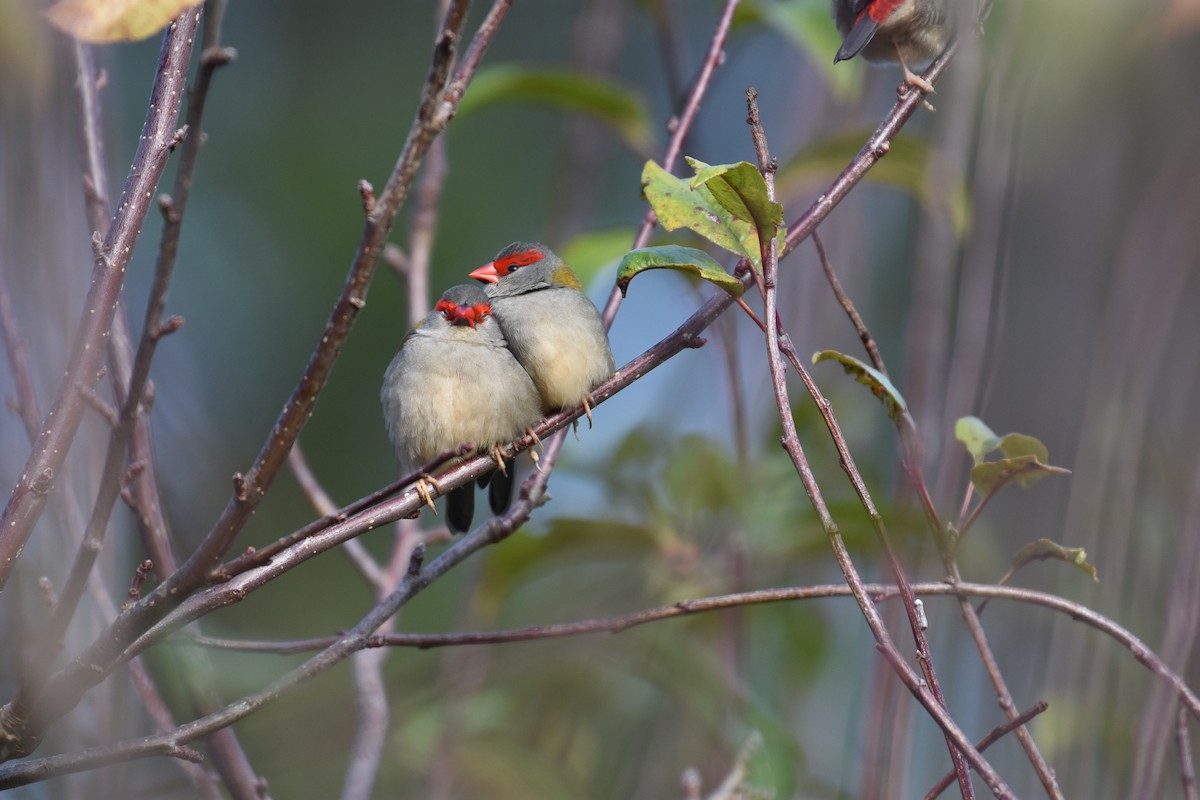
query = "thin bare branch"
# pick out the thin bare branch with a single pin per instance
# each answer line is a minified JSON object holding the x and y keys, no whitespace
{"x":28,"y":497}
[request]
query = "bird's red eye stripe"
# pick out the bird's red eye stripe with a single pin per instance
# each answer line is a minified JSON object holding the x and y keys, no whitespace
{"x":524,"y":258}
{"x":474,"y":314}
{"x":880,"y":10}
{"x":446,"y":308}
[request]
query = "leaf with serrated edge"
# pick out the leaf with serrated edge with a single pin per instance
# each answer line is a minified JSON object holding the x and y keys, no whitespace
{"x":682,"y":259}
{"x":677,"y":205}
{"x":1046,"y":548}
{"x":870,"y":377}
{"x":976,"y":436}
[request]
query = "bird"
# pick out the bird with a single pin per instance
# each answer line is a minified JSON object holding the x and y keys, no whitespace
{"x":551,"y":326}
{"x":454,"y":380}
{"x":908,"y":31}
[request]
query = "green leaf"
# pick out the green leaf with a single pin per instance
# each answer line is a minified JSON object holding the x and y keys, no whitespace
{"x":741,"y":189}
{"x":991,"y":476}
{"x":977,"y":437}
{"x":677,"y":205}
{"x":1018,"y":444}
{"x":870,"y":377}
{"x":682,"y":259}
{"x":617,"y":107}
{"x":1045,"y":548}
{"x":911,"y":165}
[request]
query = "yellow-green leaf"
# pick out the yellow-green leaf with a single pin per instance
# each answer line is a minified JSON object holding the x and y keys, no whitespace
{"x":104,"y":21}
{"x":977,"y":437}
{"x":1045,"y":548}
{"x":870,"y":377}
{"x":742,"y":191}
{"x":682,"y":259}
{"x":677,"y":205}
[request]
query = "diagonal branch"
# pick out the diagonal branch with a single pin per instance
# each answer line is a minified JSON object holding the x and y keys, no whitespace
{"x":113,"y":252}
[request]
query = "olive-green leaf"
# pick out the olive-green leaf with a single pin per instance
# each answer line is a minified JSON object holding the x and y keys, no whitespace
{"x":870,"y":377}
{"x":682,"y":259}
{"x":911,"y":165}
{"x":741,"y":189}
{"x":977,"y":437}
{"x":991,"y":476}
{"x":1018,"y":444}
{"x":1045,"y":548}
{"x":677,"y":205}
{"x":614,"y":105}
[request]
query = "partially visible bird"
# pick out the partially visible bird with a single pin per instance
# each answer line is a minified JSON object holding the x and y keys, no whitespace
{"x":452,"y":381}
{"x":908,"y":31}
{"x":551,"y":326}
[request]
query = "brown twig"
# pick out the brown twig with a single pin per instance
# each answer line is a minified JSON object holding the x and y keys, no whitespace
{"x":154,"y":147}
{"x":682,"y":125}
{"x":435,"y":110}
{"x":28,"y":500}
{"x":993,"y":736}
{"x":791,"y":440}
{"x":495,"y":530}
{"x":1187,"y":769}
{"x":910,"y":458}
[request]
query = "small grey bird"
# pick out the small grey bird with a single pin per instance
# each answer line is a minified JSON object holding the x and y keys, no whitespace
{"x":454,"y":380}
{"x":551,"y":326}
{"x":908,"y":31}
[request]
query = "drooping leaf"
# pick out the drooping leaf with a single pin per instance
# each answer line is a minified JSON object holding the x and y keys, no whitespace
{"x":976,"y":436}
{"x":870,"y":377}
{"x":677,"y":205}
{"x":1045,"y":548}
{"x":614,"y":105}
{"x":740,"y":188}
{"x":681,"y":259}
{"x":991,"y":476}
{"x":103,"y":21}
{"x":909,"y":165}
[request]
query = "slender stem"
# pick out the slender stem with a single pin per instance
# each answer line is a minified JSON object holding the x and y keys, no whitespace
{"x":1187,"y":768}
{"x":436,"y":109}
{"x":987,"y":741}
{"x":113,"y":252}
{"x":682,"y":125}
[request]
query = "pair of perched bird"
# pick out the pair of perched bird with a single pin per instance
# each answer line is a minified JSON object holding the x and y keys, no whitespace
{"x":483,"y":367}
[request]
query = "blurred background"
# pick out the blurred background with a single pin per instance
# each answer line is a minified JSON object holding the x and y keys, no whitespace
{"x":1024,"y":254}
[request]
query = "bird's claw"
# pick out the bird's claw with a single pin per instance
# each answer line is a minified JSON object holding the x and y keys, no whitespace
{"x":498,"y":457}
{"x":587,"y":409}
{"x":535,"y":448}
{"x":422,"y":486}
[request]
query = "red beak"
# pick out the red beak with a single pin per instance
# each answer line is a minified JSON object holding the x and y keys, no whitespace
{"x":486,"y":273}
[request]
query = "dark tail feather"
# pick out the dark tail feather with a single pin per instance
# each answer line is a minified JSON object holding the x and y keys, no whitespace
{"x":500,"y":491}
{"x":460,"y":509}
{"x":863,"y":32}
